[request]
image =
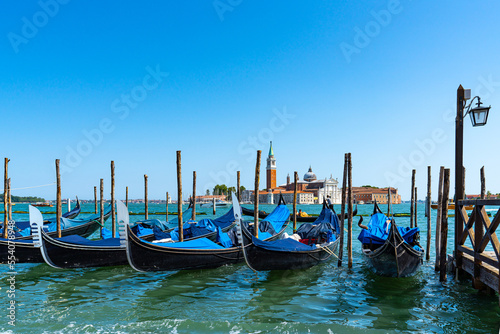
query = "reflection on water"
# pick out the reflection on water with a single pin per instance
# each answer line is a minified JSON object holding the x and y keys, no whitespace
{"x":234,"y":299}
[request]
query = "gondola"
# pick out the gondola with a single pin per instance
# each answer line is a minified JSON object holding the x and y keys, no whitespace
{"x":74,"y":251}
{"x":22,"y":228}
{"x":388,"y":249}
{"x":201,"y":253}
{"x":77,"y":252}
{"x":264,"y":214}
{"x":318,"y":243}
{"x":300,"y":219}
{"x":154,"y":229}
{"x":23,"y":250}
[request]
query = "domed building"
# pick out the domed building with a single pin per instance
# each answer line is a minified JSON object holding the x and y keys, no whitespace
{"x":310,"y":190}
{"x":309,"y":176}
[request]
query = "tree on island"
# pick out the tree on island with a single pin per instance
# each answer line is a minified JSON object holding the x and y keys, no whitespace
{"x":222,"y":189}
{"x":29,"y":199}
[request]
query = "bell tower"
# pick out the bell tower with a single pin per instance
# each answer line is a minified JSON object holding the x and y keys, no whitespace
{"x":271,"y":169}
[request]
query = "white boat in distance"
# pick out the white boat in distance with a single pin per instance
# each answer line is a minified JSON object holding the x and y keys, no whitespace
{"x":218,"y":204}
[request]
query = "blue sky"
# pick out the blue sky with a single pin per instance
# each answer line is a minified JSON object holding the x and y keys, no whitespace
{"x":91,"y":82}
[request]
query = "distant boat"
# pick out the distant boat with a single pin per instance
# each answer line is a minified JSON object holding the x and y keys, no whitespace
{"x":218,"y":204}
{"x":43,"y":204}
{"x":452,"y":207}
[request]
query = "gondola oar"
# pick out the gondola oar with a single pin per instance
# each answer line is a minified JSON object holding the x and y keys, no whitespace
{"x":237,"y":218}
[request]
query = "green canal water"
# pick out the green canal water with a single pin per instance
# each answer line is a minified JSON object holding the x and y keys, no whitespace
{"x":232,"y":299}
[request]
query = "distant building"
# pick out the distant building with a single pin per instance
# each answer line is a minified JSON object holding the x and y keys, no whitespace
{"x":271,"y":170}
{"x":273,"y":197}
{"x":210,"y":198}
{"x":310,"y":190}
{"x":370,"y":195}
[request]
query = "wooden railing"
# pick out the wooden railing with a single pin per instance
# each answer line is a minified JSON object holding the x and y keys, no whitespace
{"x":480,"y":231}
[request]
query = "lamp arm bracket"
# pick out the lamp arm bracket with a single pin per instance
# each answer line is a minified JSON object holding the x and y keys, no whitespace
{"x":468,"y":107}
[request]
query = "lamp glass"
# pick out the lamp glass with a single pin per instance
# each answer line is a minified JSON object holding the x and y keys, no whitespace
{"x":479,"y":116}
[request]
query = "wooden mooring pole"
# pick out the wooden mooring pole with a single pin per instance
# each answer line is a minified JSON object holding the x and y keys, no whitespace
{"x":256,"y":196}
{"x":412,"y":202}
{"x":58,"y":200}
{"x":146,"y":216}
{"x":101,"y":204}
{"x":5,"y":186}
{"x":342,"y":211}
{"x":126,"y":197}
{"x":388,"y":201}
{"x":295,"y":178}
{"x":349,"y":212}
{"x":95,"y":199}
{"x":179,"y":196}
{"x":238,"y":191}
{"x":113,"y":215}
{"x":166,"y":208}
{"x":193,"y":215}
{"x":438,"y":218}
{"x":415,"y":208}
{"x":483,"y":184}
{"x":428,"y":211}
{"x":444,"y":226}
{"x":10,"y":201}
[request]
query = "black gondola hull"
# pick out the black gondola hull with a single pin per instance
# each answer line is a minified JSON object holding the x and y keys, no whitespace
{"x":67,"y":255}
{"x":149,"y":257}
{"x":395,"y":258}
{"x":263,"y":259}
{"x":25,"y":252}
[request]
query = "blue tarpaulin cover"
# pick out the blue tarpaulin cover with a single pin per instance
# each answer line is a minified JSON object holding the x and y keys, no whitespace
{"x":22,"y":225}
{"x":378,"y":230}
{"x":26,"y":241}
{"x":78,"y":240}
{"x":107,"y":234}
{"x":283,"y":245}
{"x":273,"y":223}
{"x":65,"y":223}
{"x":202,"y":243}
{"x":323,"y":230}
{"x":144,"y":225}
{"x":196,"y":229}
{"x":224,"y":239}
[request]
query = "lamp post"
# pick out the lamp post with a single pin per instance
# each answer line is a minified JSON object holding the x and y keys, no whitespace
{"x":479,"y":117}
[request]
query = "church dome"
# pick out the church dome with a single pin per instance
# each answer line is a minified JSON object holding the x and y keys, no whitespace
{"x":309,"y":176}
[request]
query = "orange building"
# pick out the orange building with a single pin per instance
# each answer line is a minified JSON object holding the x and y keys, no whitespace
{"x":271,"y":170}
{"x":370,"y":195}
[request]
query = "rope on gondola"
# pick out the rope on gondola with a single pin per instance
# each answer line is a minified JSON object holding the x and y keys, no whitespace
{"x":97,"y":221}
{"x":328,"y":250}
{"x":395,"y":248}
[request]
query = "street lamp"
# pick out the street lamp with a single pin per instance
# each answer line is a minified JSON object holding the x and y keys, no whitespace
{"x":478,"y":117}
